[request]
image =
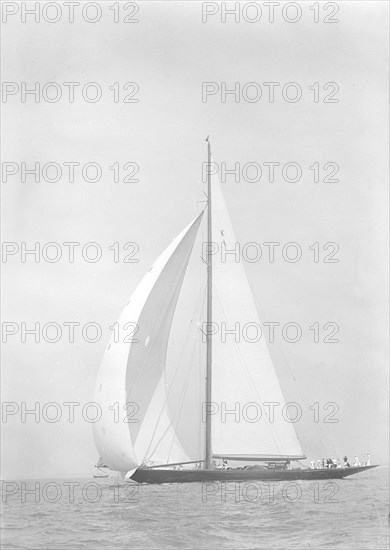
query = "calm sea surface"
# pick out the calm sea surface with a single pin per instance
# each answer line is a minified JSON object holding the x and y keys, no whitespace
{"x":101,"y":514}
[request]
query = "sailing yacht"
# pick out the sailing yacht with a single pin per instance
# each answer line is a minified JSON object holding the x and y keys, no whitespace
{"x":155,"y":442}
{"x":99,"y":469}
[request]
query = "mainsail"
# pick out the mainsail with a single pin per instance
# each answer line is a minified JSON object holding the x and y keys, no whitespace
{"x":243,"y":376}
{"x":130,"y":378}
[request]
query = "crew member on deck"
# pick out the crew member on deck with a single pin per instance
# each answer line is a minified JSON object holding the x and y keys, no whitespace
{"x":346,"y":463}
{"x":356,"y":462}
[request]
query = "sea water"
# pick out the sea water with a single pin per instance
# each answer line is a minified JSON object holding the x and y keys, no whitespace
{"x":103,"y":514}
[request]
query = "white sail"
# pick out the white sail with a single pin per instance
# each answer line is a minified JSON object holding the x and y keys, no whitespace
{"x":129,"y":380}
{"x":157,"y":441}
{"x":243,"y":376}
{"x":134,"y":380}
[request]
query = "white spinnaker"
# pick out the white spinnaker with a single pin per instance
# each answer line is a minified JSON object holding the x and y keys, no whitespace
{"x":243,"y":376}
{"x":130,"y":373}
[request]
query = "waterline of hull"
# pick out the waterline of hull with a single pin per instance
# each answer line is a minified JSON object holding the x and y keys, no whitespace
{"x":156,"y":476}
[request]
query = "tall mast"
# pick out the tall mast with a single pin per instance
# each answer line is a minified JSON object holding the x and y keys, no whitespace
{"x":209,"y":311}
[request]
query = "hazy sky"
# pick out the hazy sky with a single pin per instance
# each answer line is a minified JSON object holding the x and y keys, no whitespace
{"x":169,"y":53}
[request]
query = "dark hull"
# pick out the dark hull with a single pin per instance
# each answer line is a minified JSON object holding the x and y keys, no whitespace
{"x":199,"y":476}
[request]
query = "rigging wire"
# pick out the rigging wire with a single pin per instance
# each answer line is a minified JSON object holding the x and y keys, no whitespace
{"x":249,"y":378}
{"x":177,"y":369}
{"x":299,"y":390}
